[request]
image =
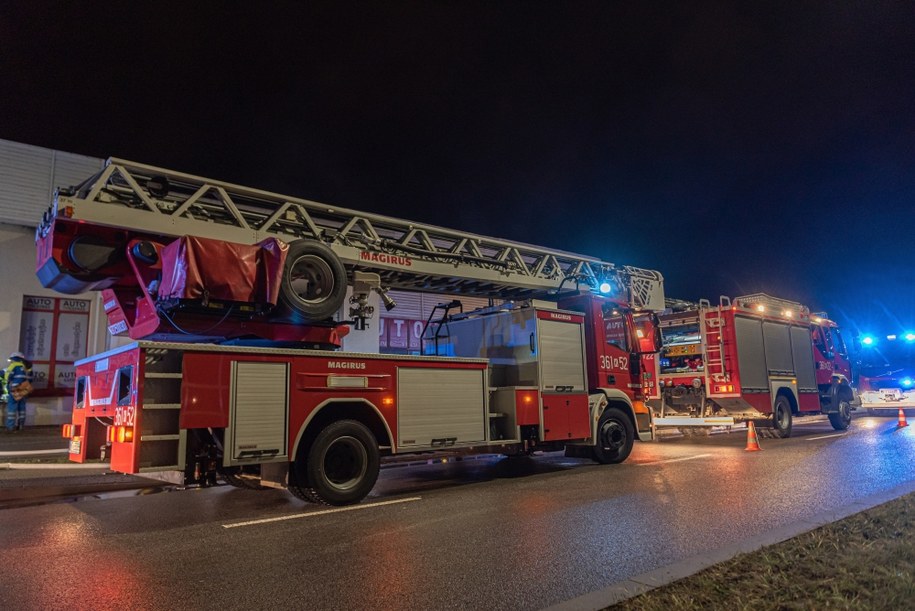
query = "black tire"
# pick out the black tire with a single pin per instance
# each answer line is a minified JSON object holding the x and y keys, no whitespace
{"x":340,"y":467}
{"x":841,"y":420}
{"x":782,"y":417}
{"x":313,"y":286}
{"x":615,"y":435}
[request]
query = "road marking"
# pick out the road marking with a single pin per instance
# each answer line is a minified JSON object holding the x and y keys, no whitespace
{"x":658,"y":462}
{"x":826,"y":436}
{"x":322,"y":512}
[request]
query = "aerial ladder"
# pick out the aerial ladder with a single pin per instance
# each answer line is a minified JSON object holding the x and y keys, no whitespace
{"x":132,"y":227}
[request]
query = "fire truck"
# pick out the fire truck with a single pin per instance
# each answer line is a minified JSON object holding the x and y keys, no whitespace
{"x":235,"y":369}
{"x":756,"y":358}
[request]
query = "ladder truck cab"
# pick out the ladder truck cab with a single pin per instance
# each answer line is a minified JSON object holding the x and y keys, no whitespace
{"x":229,"y":294}
{"x":751,"y":358}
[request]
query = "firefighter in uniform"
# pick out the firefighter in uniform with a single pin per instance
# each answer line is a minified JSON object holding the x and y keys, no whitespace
{"x":18,"y":385}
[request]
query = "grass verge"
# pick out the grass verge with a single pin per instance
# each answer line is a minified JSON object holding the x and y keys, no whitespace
{"x":866,"y":561}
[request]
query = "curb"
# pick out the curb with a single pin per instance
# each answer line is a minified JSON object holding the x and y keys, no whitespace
{"x":45,"y":465}
{"x":639,"y":584}
{"x":32,"y":452}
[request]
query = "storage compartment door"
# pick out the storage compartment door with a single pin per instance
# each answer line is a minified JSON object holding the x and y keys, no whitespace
{"x":778,"y":349}
{"x":562,"y":361}
{"x":566,"y":417}
{"x":258,"y":414}
{"x":751,"y":356}
{"x":802,"y":349}
{"x":439,"y":408}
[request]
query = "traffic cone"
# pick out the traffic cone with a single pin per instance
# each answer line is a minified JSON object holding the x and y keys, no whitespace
{"x":752,"y":441}
{"x":902,"y":421}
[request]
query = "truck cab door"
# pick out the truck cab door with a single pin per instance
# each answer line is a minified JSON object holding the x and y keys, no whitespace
{"x":615,"y":351}
{"x":824,"y":354}
{"x":841,"y":358}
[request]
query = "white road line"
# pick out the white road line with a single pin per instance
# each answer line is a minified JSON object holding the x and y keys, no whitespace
{"x":321,"y":513}
{"x":826,"y":436}
{"x":658,"y":462}
{"x":34,"y":452}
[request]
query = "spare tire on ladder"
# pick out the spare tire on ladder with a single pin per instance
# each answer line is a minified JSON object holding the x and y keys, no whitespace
{"x":313,"y":285}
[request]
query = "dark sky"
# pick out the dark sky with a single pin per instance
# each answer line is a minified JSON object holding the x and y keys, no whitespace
{"x":736,"y":147}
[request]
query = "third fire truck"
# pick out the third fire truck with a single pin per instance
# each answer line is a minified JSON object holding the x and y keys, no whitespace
{"x":755,"y":357}
{"x":229,"y":294}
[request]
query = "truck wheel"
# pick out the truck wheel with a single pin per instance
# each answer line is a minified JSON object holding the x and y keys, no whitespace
{"x":614,"y":437}
{"x":781,"y":417}
{"x":841,"y":420}
{"x":313,"y":286}
{"x":339,"y":468}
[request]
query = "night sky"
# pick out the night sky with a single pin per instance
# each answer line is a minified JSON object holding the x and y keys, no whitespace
{"x":735,"y":147}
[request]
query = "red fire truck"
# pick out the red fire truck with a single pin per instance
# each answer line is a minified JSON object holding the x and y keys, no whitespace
{"x":201,"y":273}
{"x":752,"y":358}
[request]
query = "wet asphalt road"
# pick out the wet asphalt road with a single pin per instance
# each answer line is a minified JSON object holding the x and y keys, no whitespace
{"x":480,"y":534}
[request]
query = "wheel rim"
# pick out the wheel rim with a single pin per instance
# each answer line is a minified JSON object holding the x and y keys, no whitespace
{"x":782,"y":415}
{"x":845,"y":411}
{"x":345,"y":463}
{"x":612,"y":435}
{"x":311,"y":278}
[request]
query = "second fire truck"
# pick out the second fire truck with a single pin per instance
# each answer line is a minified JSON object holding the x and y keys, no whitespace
{"x":755,"y":357}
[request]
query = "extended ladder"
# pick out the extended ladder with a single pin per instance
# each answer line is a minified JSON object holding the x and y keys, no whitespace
{"x":411,"y":256}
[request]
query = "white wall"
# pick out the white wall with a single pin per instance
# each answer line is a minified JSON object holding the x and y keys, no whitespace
{"x":30,"y":174}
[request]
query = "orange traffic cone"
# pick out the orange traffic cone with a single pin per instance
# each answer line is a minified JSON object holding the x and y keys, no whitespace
{"x":752,"y":441}
{"x":902,"y":421}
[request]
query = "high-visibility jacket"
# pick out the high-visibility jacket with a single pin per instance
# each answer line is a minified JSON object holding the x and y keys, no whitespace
{"x":16,"y":374}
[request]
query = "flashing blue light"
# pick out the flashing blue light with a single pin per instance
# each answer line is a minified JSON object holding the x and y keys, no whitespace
{"x":605,"y":287}
{"x":906,"y":382}
{"x":909,"y":336}
{"x":868,"y":340}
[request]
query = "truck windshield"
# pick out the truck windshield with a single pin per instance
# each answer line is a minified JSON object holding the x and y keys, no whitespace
{"x":837,"y":341}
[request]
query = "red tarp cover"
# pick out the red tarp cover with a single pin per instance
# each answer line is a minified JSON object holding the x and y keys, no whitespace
{"x":198,"y":268}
